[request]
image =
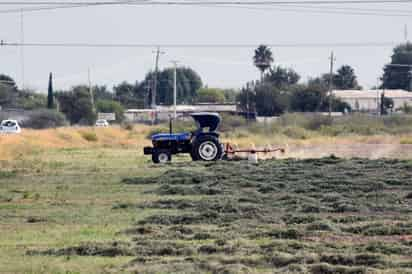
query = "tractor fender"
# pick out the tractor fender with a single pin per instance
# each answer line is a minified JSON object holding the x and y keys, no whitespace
{"x":200,"y":134}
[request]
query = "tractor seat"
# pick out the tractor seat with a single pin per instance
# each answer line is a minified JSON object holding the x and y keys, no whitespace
{"x":185,"y":136}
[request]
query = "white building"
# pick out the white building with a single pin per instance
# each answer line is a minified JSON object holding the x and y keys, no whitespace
{"x":162,"y":112}
{"x":369,"y":100}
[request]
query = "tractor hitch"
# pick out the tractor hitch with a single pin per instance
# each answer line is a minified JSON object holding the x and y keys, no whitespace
{"x":230,"y":150}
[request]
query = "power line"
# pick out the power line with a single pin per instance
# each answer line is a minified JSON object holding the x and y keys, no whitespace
{"x":319,"y":9}
{"x":132,"y":45}
{"x":251,"y":5}
{"x":323,"y":10}
{"x":69,"y":3}
{"x":65,"y":5}
{"x":314,"y":2}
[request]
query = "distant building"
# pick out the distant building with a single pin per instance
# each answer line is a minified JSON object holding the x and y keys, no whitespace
{"x":369,"y":100}
{"x":161,"y":113}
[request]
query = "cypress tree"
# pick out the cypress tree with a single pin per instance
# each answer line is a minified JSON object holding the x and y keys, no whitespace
{"x":50,"y":98}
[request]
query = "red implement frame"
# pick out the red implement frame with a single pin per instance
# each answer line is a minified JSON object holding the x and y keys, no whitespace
{"x":230,"y":150}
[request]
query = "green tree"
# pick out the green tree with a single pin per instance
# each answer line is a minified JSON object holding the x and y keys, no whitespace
{"x":230,"y":95}
{"x":210,"y":95}
{"x":11,"y":96}
{"x":313,"y":97}
{"x":282,"y":77}
{"x":102,"y":93}
{"x":270,"y":101}
{"x":397,"y":74}
{"x":247,"y":98}
{"x":187,"y":83}
{"x":308,"y":98}
{"x":345,"y":78}
{"x":110,"y":106}
{"x":76,"y":105}
{"x":29,"y":99}
{"x":7,"y":81}
{"x":130,"y":95}
{"x":263,"y":59}
{"x":50,"y":96}
{"x":8,"y":90}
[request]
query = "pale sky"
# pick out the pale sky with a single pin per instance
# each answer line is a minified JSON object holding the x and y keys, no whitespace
{"x":218,"y":67}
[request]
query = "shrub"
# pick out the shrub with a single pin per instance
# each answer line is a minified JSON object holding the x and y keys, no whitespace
{"x":231,"y":122}
{"x":296,"y":133}
{"x":89,"y":136}
{"x":109,"y":106}
{"x":309,"y":121}
{"x":316,"y":121}
{"x":127,"y":126}
{"x":210,"y":95}
{"x":45,"y":118}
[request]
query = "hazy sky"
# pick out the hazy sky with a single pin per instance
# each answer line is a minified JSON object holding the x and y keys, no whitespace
{"x":218,"y":67}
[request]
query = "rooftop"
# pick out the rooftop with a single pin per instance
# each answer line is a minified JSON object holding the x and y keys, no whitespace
{"x":365,"y":94}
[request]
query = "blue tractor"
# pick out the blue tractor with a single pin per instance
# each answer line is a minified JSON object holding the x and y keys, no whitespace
{"x":202,"y":144}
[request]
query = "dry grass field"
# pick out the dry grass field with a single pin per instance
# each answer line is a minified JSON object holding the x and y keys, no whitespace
{"x":85,"y":200}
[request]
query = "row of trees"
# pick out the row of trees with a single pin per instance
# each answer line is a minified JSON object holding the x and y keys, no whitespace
{"x":278,"y":90}
{"x":80,"y":108}
{"x":396,"y":75}
{"x":277,"y":95}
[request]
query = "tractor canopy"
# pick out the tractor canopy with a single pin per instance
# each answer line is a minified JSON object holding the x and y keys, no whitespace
{"x":209,"y":120}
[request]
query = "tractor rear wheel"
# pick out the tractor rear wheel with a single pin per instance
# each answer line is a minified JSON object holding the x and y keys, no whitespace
{"x":161,"y":156}
{"x":206,"y":148}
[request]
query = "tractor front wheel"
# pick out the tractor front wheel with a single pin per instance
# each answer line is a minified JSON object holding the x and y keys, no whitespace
{"x":161,"y":156}
{"x":207,"y":148}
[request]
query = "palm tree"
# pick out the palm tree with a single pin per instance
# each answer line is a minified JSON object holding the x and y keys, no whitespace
{"x":263,"y":59}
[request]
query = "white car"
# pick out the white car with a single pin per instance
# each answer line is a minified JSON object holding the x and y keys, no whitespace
{"x":102,"y":123}
{"x":10,"y":126}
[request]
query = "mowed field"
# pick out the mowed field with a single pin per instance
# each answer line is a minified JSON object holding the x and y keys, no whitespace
{"x":74,"y":203}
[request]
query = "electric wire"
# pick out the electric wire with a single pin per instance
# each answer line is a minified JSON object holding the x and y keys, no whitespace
{"x":234,"y":2}
{"x":163,"y":45}
{"x":297,"y":9}
{"x":320,"y":9}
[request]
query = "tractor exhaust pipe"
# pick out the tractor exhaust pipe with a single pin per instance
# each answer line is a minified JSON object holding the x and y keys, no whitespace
{"x":170,"y":124}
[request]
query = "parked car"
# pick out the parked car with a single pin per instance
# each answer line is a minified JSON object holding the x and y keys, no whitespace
{"x":10,"y":126}
{"x":102,"y":123}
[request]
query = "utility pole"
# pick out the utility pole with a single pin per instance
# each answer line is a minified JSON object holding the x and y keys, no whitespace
{"x":174,"y":87}
{"x":154,"y":91}
{"x":332,"y":61}
{"x":378,"y":98}
{"x":410,"y":78}
{"x":247,"y":102}
{"x":149,"y":86}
